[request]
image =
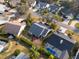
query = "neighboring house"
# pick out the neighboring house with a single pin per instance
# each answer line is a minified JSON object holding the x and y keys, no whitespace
{"x":77,"y":55}
{"x":3,"y":8}
{"x":39,"y":30}
{"x":4,"y":19}
{"x":14,"y":27}
{"x":59,"y":45}
{"x":67,"y":13}
{"x":3,"y":45}
{"x":41,"y":5}
{"x":22,"y":56}
{"x":53,"y":8}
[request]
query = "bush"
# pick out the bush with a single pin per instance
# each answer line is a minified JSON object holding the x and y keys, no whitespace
{"x":69,"y":32}
{"x":58,"y":18}
{"x":52,"y":57}
{"x":47,"y":53}
{"x":54,"y":27}
{"x":16,"y":52}
{"x":77,"y":25}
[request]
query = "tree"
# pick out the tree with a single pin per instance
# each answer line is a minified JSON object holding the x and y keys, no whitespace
{"x":16,"y":52}
{"x":73,"y":5}
{"x":69,"y":33}
{"x":54,"y":27}
{"x":52,"y":57}
{"x":34,"y":54}
{"x":22,"y":8}
{"x":58,"y":18}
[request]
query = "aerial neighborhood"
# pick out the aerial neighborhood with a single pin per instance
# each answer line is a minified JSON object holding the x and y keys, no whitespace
{"x":39,"y":29}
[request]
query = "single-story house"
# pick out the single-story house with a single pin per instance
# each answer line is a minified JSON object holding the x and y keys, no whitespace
{"x":41,"y":5}
{"x":59,"y":45}
{"x":3,"y":45}
{"x":3,"y":8}
{"x":22,"y":56}
{"x":39,"y":29}
{"x":77,"y":55}
{"x":14,"y":27}
{"x":67,"y":13}
{"x":53,"y":8}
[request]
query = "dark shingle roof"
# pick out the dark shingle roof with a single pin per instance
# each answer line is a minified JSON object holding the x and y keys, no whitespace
{"x":41,"y":5}
{"x":55,"y":39}
{"x":39,"y":29}
{"x":35,"y":30}
{"x":54,"y":8}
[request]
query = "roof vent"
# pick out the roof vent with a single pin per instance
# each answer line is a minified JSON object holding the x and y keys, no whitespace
{"x":61,"y":41}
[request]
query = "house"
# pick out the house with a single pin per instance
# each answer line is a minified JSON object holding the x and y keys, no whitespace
{"x":42,"y":5}
{"x":53,"y":8}
{"x":77,"y":55}
{"x":3,"y":8}
{"x":22,"y":56}
{"x":3,"y":45}
{"x":39,"y":29}
{"x":14,"y":27}
{"x":67,"y":13}
{"x":59,"y":45}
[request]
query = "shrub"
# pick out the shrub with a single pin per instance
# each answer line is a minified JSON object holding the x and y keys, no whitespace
{"x":58,"y":18}
{"x":52,"y":57}
{"x":16,"y":52}
{"x":69,"y":32}
{"x":77,"y":25}
{"x":54,"y":27}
